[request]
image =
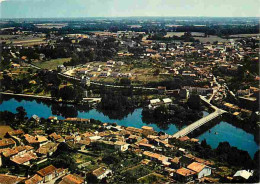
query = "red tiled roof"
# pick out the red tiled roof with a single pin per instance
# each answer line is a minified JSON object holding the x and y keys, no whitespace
{"x":21,"y":159}
{"x":72,"y":179}
{"x":99,"y":171}
{"x":9,"y":179}
{"x":6,"y":142}
{"x":47,"y":170}
{"x":185,"y":172}
{"x":195,"y":166}
{"x":16,"y":132}
{"x":55,"y":136}
{"x":34,"y":180}
{"x":185,"y":138}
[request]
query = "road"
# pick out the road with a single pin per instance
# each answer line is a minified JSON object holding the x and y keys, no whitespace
{"x":25,"y":95}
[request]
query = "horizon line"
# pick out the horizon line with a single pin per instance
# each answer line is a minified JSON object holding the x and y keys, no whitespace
{"x":145,"y":16}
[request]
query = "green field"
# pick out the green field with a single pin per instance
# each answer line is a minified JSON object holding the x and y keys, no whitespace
{"x":51,"y":64}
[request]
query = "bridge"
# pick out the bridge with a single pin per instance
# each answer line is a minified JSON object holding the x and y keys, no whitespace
{"x":185,"y":131}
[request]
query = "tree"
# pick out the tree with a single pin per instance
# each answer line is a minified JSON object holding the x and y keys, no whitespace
{"x":194,"y":102}
{"x":66,"y":161}
{"x":125,"y":81}
{"x":21,"y":113}
{"x":156,"y":72}
{"x":204,"y":144}
{"x":256,"y":159}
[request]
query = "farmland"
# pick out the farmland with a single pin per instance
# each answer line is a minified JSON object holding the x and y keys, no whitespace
{"x":51,"y":64}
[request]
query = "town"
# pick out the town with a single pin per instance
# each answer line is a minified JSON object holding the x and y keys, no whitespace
{"x":191,"y":77}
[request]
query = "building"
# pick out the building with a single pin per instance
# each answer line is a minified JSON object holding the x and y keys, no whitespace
{"x":121,"y":146}
{"x":105,"y":74}
{"x":35,"y":179}
{"x":242,"y":175}
{"x":161,"y":89}
{"x":167,"y":101}
{"x":184,"y":175}
{"x":17,"y":133}
{"x":9,"y":179}
{"x":101,"y":173}
{"x":48,"y":173}
{"x":7,"y":143}
{"x":54,"y":136}
{"x":72,"y":179}
{"x":156,"y":157}
{"x":35,"y":141}
{"x":24,"y":159}
{"x":200,"y":169}
{"x":85,"y":81}
{"x":148,"y":130}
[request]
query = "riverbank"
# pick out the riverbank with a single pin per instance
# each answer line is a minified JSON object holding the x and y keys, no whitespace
{"x":86,"y":101}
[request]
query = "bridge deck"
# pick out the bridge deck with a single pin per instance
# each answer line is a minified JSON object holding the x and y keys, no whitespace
{"x":185,"y":131}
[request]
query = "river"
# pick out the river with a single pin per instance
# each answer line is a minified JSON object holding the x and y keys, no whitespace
{"x":225,"y":131}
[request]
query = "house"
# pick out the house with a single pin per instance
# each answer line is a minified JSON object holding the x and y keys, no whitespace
{"x":35,"y":179}
{"x":105,"y":74}
{"x":47,"y":149}
{"x":72,"y":179}
{"x":184,"y":175}
{"x":9,"y":179}
{"x":61,"y":68}
{"x":121,"y":146}
{"x":41,"y":56}
{"x":35,"y":118}
{"x":184,"y":138}
{"x":35,"y":141}
{"x":54,"y":136}
{"x":242,"y":175}
{"x":147,"y":130}
{"x":48,"y":173}
{"x":76,"y":120}
{"x":84,"y":143}
{"x":85,"y":81}
{"x":96,"y":69}
{"x":156,"y":157}
{"x":126,"y":75}
{"x":146,"y":146}
{"x":25,"y":159}
{"x":7,"y":143}
{"x":17,"y":133}
{"x":133,"y":138}
{"x":101,"y":173}
{"x":155,"y":102}
{"x":19,"y":150}
{"x":14,"y":65}
{"x":161,"y":89}
{"x":133,"y":130}
{"x":175,"y":162}
{"x":115,"y":74}
{"x":167,"y":101}
{"x":110,"y":62}
{"x":200,"y":169}
{"x":120,"y":63}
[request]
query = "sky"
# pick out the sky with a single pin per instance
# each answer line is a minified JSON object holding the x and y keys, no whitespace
{"x":128,"y":8}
